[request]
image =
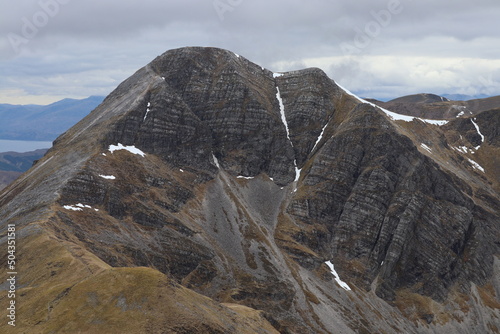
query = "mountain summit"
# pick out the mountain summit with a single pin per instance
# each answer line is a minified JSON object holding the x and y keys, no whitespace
{"x":207,"y":194}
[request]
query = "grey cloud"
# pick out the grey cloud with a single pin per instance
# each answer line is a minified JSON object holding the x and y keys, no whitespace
{"x":118,"y":36}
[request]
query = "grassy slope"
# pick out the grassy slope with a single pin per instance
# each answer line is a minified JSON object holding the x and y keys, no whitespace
{"x":66,"y":289}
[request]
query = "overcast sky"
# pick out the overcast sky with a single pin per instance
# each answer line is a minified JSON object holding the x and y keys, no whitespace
{"x":53,"y":49}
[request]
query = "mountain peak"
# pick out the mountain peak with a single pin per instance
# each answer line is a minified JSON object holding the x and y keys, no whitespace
{"x":278,"y":198}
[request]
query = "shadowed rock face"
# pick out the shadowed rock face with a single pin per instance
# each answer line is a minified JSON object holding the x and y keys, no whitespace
{"x":247,"y":182}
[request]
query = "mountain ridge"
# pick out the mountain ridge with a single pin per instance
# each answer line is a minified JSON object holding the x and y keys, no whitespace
{"x":22,"y":122}
{"x":240,"y":184}
{"x":13,"y":164}
{"x":438,"y":107}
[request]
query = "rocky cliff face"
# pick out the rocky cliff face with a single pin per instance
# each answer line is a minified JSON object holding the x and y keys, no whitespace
{"x":209,"y":180}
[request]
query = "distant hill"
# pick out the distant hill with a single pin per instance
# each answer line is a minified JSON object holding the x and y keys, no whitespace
{"x":7,"y":177}
{"x":420,"y":98}
{"x":43,"y":123}
{"x":13,"y":164}
{"x":19,"y":162}
{"x":438,"y":107}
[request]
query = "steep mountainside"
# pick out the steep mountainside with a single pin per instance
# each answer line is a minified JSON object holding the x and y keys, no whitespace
{"x":207,"y":194}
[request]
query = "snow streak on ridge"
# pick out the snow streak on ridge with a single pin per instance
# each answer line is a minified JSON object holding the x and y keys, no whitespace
{"x":282,"y":112}
{"x":394,"y":116}
{"x":283,"y":119}
{"x":479,"y":132}
{"x":320,"y":136}
{"x":343,"y":284}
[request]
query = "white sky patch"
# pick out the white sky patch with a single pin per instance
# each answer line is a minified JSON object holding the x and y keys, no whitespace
{"x":425,"y":147}
{"x":337,"y":278}
{"x":108,"y":177}
{"x":132,"y":149}
{"x":388,"y":77}
{"x":475,"y":165}
{"x":479,"y":132}
{"x":277,"y":75}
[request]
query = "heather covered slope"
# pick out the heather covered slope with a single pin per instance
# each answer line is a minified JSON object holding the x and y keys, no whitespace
{"x":205,"y":174}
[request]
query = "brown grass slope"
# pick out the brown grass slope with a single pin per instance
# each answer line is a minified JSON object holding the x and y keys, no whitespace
{"x":66,"y":289}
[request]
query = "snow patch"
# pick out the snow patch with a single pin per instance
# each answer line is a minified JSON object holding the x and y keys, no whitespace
{"x":320,"y":136}
{"x":425,"y":147}
{"x":282,"y":112}
{"x":297,"y":171}
{"x":479,"y":132}
{"x":147,"y":111}
{"x":71,"y":207}
{"x":108,"y":177}
{"x":461,"y":149}
{"x":277,"y":75}
{"x":283,"y":119}
{"x":245,"y":177}
{"x":475,"y":165}
{"x":132,"y":149}
{"x":434,"y":121}
{"x":181,"y":171}
{"x":337,"y":278}
{"x":78,"y":207}
{"x":216,"y":162}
